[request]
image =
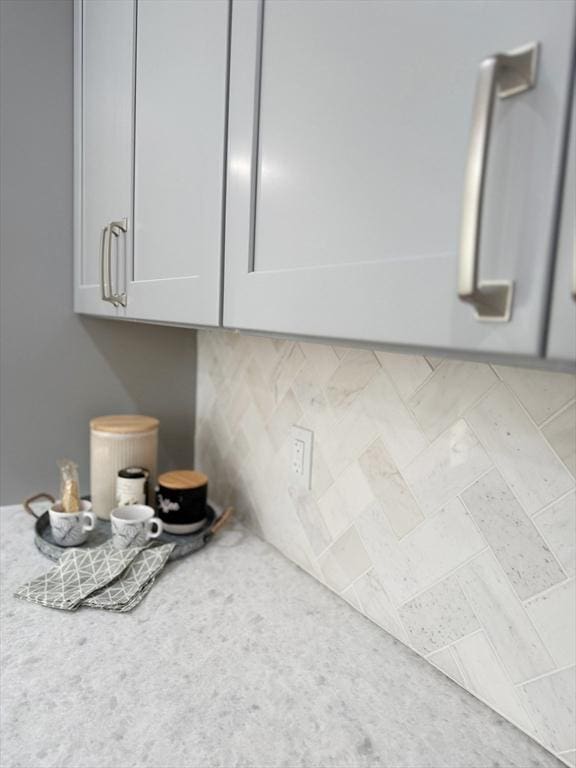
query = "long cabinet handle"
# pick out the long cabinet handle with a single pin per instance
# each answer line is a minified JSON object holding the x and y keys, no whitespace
{"x":502,"y":75}
{"x":105,"y":269}
{"x":116,"y":228}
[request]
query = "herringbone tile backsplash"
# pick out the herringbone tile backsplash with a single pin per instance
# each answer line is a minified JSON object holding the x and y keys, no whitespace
{"x":442,"y":502}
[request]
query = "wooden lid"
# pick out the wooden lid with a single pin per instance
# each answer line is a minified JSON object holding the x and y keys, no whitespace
{"x":124,"y":425}
{"x":182,"y":479}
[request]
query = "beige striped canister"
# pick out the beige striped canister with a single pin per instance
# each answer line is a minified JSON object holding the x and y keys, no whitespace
{"x":117,"y":442}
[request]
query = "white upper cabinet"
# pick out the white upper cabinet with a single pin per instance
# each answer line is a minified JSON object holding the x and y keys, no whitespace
{"x":390,"y":171}
{"x":181,"y":82}
{"x":562,"y":333}
{"x":151,"y":95}
{"x":104,"y":96}
{"x":386,"y":156}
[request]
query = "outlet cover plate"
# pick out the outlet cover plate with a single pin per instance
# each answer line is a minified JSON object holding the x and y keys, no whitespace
{"x":301,"y":457}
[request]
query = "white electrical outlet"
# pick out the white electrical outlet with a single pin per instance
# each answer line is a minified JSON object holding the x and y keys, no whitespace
{"x":301,"y":456}
{"x":298,"y":457}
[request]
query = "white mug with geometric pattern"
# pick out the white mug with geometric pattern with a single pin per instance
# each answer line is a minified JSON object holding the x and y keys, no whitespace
{"x":133,"y":525}
{"x":70,"y":529}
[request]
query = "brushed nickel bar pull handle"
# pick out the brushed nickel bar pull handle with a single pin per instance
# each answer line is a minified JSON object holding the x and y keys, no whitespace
{"x":105,"y":265}
{"x":111,"y":297}
{"x":116,"y":229}
{"x":502,"y":75}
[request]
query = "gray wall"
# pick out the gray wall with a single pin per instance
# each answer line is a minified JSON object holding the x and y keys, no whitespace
{"x":57,"y":369}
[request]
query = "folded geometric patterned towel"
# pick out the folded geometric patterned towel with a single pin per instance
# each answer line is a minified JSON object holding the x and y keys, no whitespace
{"x":125,"y":592}
{"x":102,"y":577}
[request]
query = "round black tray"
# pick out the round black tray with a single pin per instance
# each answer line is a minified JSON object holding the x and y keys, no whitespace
{"x":186,"y":544}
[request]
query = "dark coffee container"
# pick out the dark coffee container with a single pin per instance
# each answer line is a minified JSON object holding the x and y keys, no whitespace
{"x":181,"y":498}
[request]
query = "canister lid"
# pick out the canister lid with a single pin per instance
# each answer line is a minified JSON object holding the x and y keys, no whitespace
{"x":124,"y":424}
{"x":182,"y":479}
{"x":133,"y":473}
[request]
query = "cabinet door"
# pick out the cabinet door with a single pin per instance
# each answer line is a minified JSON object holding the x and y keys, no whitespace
{"x":562,"y":333}
{"x":104,"y":75}
{"x":350,"y":126}
{"x":181,"y":83}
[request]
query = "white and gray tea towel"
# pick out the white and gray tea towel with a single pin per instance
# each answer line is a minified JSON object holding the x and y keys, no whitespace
{"x":100,"y":577}
{"x":133,"y":585}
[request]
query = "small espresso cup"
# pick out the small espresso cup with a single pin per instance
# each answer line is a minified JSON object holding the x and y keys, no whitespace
{"x":133,"y":525}
{"x":70,"y":529}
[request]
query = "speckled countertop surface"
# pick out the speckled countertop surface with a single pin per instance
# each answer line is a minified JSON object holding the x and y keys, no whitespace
{"x":236,"y":658}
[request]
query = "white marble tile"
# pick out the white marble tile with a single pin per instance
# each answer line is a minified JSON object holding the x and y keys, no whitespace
{"x":558,"y":526}
{"x":561,"y":434}
{"x":284,"y":417}
{"x":223,"y":398}
{"x":254,"y":427}
{"x":351,"y":555}
{"x":343,"y":441}
{"x":323,"y":360}
{"x":333,"y":574}
{"x":568,"y":757}
{"x":551,"y":702}
{"x":286,"y":369}
{"x":334,"y":512}
{"x":312,"y":399}
{"x":280,"y":344}
{"x":399,"y":431}
{"x":264,"y":353}
{"x":321,"y":478}
{"x":349,"y":594}
{"x":238,"y":403}
{"x":504,"y":619}
{"x":438,"y":616}
{"x":520,"y":549}
{"x":445,"y":661}
{"x":390,"y":488}
{"x":447,"y":467}
{"x":242,"y":441}
{"x":341,"y":351}
{"x":434,"y":360}
{"x":395,"y":567}
{"x":311,"y":519}
{"x":531,"y":469}
{"x":219,"y":427}
{"x":554,"y":616}
{"x":453,"y":387}
{"x":283,"y":530}
{"x":238,"y":452}
{"x":408,"y":372}
{"x":426,"y":555}
{"x":542,"y":393}
{"x":270,"y":476}
{"x":376,"y":604}
{"x":231,"y":365}
{"x":345,"y":499}
{"x":356,"y":369}
{"x":488,"y":679}
{"x":206,"y":392}
{"x":262,"y":394}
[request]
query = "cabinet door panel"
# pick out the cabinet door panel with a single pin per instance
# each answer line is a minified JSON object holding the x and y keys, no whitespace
{"x":181,"y":81}
{"x":562,"y":333}
{"x":104,"y":70}
{"x":347,"y":161}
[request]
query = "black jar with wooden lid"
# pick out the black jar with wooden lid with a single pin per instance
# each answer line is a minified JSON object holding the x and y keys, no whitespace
{"x":181,"y":498}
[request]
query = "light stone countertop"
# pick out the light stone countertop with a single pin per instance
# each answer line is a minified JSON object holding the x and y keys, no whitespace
{"x":235,"y":658}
